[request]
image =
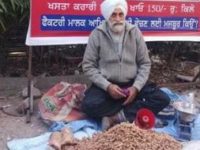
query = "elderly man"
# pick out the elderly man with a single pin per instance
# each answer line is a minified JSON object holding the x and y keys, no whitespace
{"x":116,"y":60}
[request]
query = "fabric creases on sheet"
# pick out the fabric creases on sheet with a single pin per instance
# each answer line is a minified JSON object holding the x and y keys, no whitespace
{"x":80,"y":128}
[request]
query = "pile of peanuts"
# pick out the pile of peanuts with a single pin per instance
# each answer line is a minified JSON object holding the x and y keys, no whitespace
{"x":126,"y":136}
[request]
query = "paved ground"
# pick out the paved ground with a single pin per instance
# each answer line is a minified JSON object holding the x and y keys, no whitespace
{"x":16,"y":127}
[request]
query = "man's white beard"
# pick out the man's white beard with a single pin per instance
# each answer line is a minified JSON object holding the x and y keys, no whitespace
{"x":117,"y":27}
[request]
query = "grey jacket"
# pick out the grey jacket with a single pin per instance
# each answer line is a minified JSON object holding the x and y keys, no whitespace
{"x":102,"y":64}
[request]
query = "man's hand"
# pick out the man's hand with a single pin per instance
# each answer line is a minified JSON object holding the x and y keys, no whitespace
{"x":115,"y":91}
{"x":132,"y":95}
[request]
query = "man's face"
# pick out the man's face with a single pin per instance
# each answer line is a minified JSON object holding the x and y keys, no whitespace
{"x":117,"y":21}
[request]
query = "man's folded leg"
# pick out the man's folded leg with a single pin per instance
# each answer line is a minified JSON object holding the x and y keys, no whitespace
{"x":97,"y":103}
{"x":150,"y":97}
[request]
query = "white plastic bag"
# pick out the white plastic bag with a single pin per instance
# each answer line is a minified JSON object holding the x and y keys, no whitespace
{"x":192,"y":145}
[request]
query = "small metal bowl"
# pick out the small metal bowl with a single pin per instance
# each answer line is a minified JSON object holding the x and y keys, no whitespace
{"x":187,"y":111}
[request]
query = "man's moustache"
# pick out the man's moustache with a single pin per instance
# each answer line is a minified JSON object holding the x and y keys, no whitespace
{"x":116,"y":24}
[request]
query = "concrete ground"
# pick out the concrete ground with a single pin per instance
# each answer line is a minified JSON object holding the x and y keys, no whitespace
{"x":14,"y":127}
{"x":10,"y":94}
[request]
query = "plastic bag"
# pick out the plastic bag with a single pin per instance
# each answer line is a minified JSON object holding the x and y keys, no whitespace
{"x":62,"y":102}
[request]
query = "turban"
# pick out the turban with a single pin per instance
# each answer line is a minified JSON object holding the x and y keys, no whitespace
{"x":108,"y":6}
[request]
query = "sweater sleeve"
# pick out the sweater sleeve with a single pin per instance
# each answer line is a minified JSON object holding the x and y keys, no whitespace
{"x":143,"y":62}
{"x":90,"y":62}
